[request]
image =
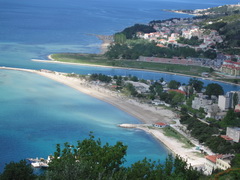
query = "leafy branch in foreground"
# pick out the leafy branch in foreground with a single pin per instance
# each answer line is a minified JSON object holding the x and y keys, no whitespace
{"x":90,"y":159}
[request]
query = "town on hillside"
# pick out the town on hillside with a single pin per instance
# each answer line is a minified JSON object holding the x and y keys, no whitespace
{"x":209,"y":39}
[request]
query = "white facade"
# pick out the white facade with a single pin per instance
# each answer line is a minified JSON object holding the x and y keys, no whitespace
{"x":209,"y":166}
{"x":200,"y":102}
{"x":223,"y":102}
{"x":217,"y":162}
{"x":227,"y":101}
{"x":234,"y":133}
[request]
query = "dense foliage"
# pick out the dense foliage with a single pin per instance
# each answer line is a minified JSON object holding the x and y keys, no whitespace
{"x":90,"y":159}
{"x":125,"y":51}
{"x":214,"y":89}
{"x":100,"y":77}
{"x":130,"y":32}
{"x":174,"y":84}
{"x":17,"y":171}
{"x":209,"y":135}
{"x":196,"y":84}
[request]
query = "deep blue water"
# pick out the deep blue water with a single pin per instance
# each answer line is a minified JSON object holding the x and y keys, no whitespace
{"x":36,"y":113}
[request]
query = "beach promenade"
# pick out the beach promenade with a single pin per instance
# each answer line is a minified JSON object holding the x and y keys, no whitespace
{"x":146,"y":113}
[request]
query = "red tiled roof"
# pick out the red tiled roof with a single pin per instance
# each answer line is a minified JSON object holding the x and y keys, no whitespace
{"x":161,"y":124}
{"x":177,"y":90}
{"x":213,"y":158}
{"x":230,"y":66}
{"x":226,"y":138}
{"x":232,"y":62}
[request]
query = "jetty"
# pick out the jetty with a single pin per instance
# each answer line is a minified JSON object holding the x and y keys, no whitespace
{"x":134,"y":125}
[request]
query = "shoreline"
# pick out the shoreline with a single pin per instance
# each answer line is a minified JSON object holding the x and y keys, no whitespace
{"x":51,"y":60}
{"x":106,"y":41}
{"x":145,"y":113}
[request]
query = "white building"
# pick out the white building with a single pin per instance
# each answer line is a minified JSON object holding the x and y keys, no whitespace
{"x":223,"y":102}
{"x":234,"y":133}
{"x":226,"y":102}
{"x":217,"y":162}
{"x":201,"y":102}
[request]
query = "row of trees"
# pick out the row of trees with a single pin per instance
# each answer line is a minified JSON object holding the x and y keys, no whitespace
{"x":100,"y":77}
{"x":133,"y":51}
{"x":208,"y":134}
{"x":90,"y":159}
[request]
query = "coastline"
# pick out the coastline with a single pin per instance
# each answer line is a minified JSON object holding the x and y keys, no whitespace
{"x":146,"y":113}
{"x":51,"y":60}
{"x":106,"y":41}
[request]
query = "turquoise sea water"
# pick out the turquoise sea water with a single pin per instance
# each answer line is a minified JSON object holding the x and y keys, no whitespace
{"x":36,"y":113}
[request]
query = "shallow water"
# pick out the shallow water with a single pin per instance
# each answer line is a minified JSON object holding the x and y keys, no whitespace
{"x":36,"y":113}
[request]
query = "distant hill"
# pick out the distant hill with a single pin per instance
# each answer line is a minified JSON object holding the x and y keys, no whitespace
{"x":225,"y":20}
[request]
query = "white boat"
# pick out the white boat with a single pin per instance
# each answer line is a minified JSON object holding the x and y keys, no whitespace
{"x":39,"y":165}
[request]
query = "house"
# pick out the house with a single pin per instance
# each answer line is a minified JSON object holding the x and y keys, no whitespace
{"x":201,"y":101}
{"x":224,"y":162}
{"x":160,"y":125}
{"x":217,"y":162}
{"x":216,"y":115}
{"x":226,"y":138}
{"x":237,"y":108}
{"x":205,"y":74}
{"x":158,"y":102}
{"x":234,"y":133}
{"x":184,"y":88}
{"x":210,"y":163}
{"x":223,"y":102}
{"x":178,"y":91}
{"x":140,"y":87}
{"x":208,"y":105}
{"x":231,"y":68}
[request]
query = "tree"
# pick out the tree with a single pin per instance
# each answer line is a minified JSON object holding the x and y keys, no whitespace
{"x":235,"y":99}
{"x":120,"y":38}
{"x":236,"y":161}
{"x":210,"y":53}
{"x":214,"y":89}
{"x":17,"y":171}
{"x":89,"y":159}
{"x":131,"y":89}
{"x":134,"y":78}
{"x":177,"y":98}
{"x":196,"y":84}
{"x":230,"y":119}
{"x":174,"y":84}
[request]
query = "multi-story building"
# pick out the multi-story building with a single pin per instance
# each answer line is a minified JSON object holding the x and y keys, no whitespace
{"x":231,"y":68}
{"x":226,"y":102}
{"x":217,"y":162}
{"x":234,"y":133}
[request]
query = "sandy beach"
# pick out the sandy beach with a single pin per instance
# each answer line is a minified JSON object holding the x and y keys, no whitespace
{"x":52,"y":60}
{"x":146,"y":113}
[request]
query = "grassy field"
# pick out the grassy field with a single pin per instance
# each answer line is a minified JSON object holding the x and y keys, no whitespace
{"x":97,"y":59}
{"x":168,"y":131}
